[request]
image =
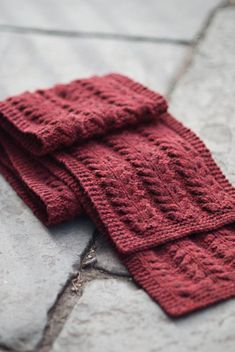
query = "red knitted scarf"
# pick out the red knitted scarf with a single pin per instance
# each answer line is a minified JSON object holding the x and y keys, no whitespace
{"x":106,"y":146}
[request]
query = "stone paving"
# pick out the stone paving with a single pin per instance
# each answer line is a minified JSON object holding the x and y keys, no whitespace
{"x":172,"y":19}
{"x":63,"y":288}
{"x":113,"y":315}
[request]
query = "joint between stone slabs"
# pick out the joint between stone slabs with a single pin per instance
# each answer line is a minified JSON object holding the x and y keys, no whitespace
{"x":90,"y":259}
{"x":88,"y":255}
{"x":4,"y":348}
{"x":67,"y":299}
{"x":71,"y":292}
{"x":209,"y":20}
{"x":113,"y":275}
{"x":195,"y":44}
{"x":93,"y":35}
{"x":64,"y":303}
{"x":58,"y":314}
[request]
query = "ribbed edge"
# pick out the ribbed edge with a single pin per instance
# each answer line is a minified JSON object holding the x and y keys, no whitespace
{"x":97,"y":206}
{"x":201,"y":148}
{"x":138,"y":88}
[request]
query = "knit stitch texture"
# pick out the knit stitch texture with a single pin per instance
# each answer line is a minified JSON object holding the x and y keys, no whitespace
{"x":107,"y":146}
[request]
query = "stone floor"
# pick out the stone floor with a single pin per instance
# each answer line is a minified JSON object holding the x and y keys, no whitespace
{"x":63,"y":289}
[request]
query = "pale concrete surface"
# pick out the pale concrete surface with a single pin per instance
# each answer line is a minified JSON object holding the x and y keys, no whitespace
{"x":32,"y":61}
{"x":115,"y":316}
{"x":172,"y":19}
{"x":204,"y":98}
{"x":35,"y":263}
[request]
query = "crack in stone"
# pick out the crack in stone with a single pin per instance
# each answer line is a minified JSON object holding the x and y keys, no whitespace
{"x":92,"y":35}
{"x":70,"y":294}
{"x":4,"y":348}
{"x":66,"y":301}
{"x":194,"y":46}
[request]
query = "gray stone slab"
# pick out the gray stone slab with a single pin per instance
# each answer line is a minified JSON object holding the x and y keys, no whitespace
{"x":106,"y":257}
{"x":116,"y":316}
{"x":204,"y":99}
{"x":174,"y":19}
{"x":35,"y":263}
{"x":32,"y":61}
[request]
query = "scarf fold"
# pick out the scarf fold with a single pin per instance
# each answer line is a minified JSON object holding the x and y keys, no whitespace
{"x":107,"y":146}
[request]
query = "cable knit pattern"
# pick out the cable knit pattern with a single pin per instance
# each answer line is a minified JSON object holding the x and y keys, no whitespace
{"x":52,"y":118}
{"x":108,"y":147}
{"x":190,"y":273}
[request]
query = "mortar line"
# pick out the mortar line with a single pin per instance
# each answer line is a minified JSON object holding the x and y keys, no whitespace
{"x":195,"y":46}
{"x":92,"y":35}
{"x":67,"y":299}
{"x":67,"y":286}
{"x":4,"y":348}
{"x":70,"y":300}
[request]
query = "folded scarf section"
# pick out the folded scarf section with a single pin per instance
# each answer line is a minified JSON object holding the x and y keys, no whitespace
{"x":107,"y":146}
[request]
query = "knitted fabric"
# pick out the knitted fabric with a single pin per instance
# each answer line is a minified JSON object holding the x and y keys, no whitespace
{"x":107,"y":146}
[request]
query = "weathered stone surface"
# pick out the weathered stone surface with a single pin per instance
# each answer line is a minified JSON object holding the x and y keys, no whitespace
{"x":204,"y":97}
{"x":106,"y":257}
{"x":35,"y":263}
{"x":32,"y":61}
{"x":175,"y":19}
{"x":115,"y":316}
{"x":61,"y":59}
